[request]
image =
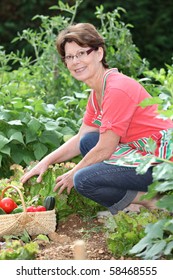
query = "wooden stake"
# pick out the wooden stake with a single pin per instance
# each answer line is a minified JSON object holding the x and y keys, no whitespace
{"x":79,"y":250}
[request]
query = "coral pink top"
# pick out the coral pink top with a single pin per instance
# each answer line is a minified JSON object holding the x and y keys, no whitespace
{"x":121,"y":113}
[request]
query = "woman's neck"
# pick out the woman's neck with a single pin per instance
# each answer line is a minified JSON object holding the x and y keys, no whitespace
{"x":97,"y":81}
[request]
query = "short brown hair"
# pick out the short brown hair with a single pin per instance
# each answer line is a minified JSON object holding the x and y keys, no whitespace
{"x":83,"y":34}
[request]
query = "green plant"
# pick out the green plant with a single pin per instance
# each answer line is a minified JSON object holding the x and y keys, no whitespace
{"x":160,"y":84}
{"x":157,"y":242}
{"x":30,"y":130}
{"x":35,"y":193}
{"x":123,"y":231}
{"x":121,"y":51}
{"x":158,"y":239}
{"x":18,"y":250}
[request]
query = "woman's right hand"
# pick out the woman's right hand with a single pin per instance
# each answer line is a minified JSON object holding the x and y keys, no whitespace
{"x":39,"y":170}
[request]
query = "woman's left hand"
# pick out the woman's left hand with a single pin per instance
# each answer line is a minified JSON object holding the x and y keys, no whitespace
{"x":64,"y":181}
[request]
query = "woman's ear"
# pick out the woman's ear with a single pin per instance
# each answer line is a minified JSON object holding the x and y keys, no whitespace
{"x":100,"y":53}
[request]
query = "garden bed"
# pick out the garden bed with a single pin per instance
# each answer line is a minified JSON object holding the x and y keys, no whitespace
{"x":68,"y":232}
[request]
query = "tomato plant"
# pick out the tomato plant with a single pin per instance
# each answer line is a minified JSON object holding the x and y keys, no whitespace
{"x":7,"y":204}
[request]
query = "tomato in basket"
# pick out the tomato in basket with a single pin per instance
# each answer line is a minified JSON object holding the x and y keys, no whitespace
{"x":7,"y":204}
{"x":31,"y":209}
{"x":39,"y":208}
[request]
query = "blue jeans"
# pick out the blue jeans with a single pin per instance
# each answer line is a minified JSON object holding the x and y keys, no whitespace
{"x":112,"y":186}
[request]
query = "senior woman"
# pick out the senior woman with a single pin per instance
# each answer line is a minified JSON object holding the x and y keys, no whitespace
{"x":114,"y":126}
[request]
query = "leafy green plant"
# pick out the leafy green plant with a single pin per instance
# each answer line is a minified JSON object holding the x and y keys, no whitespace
{"x":157,"y":242}
{"x":30,"y":130}
{"x":125,"y":230}
{"x":65,"y":204}
{"x":160,"y":84}
{"x":35,"y":193}
{"x":121,"y":51}
{"x":17,"y":250}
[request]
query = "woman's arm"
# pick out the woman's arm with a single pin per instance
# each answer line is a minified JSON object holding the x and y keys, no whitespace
{"x":65,"y":152}
{"x":105,"y":147}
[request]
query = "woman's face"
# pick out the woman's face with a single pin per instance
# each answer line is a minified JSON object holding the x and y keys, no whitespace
{"x":82,"y":65}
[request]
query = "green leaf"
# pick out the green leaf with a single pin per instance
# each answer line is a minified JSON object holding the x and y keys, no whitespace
{"x":168,"y":248}
{"x":150,"y":101}
{"x":163,"y":171}
{"x":145,"y":164}
{"x":34,"y":125}
{"x":80,"y":95}
{"x":151,"y":191}
{"x":140,"y":246}
{"x":15,"y":122}
{"x":169,"y":226}
{"x":39,"y":150}
{"x":67,"y":131}
{"x":166,"y":202}
{"x":30,"y":136}
{"x":164,"y":186}
{"x":155,"y":250}
{"x":6,"y":150}
{"x":17,"y":154}
{"x":28,"y":252}
{"x":42,"y":237}
{"x":52,"y":138}
{"x":151,"y":145}
{"x":156,"y":230}
{"x":3,"y":141}
{"x":51,"y":125}
{"x":3,"y":125}
{"x":17,"y":136}
{"x":17,"y":103}
{"x":28,"y":157}
{"x":25,"y":237}
{"x":154,"y":235}
{"x":67,"y":137}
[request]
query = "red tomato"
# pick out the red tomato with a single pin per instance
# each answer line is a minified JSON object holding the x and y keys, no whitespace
{"x":7,"y":204}
{"x":41,"y":208}
{"x":31,"y":209}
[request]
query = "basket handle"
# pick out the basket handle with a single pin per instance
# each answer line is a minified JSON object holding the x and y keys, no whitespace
{"x":19,"y":192}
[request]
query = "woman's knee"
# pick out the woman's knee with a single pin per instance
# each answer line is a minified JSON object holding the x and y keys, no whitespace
{"x":77,"y":181}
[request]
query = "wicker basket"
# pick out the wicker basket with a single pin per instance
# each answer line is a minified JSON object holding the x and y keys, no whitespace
{"x":33,"y":222}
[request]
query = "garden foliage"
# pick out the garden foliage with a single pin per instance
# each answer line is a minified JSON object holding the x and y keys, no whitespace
{"x":42,"y":106}
{"x":125,"y":230}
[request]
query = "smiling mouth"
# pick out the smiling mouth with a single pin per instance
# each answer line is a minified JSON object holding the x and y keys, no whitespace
{"x":80,"y":70}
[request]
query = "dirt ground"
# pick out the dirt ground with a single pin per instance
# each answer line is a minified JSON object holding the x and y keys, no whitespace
{"x":91,"y":231}
{"x":63,"y":244}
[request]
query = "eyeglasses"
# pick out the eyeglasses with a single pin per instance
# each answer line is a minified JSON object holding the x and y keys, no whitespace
{"x":79,"y":55}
